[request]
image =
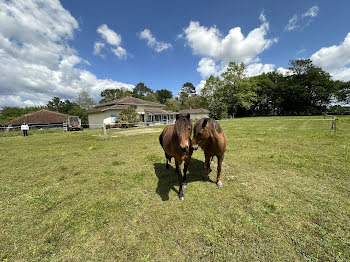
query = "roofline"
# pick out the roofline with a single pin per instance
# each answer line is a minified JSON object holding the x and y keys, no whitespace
{"x":115,"y":102}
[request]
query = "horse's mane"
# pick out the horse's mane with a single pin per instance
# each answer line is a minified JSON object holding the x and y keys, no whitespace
{"x":181,"y":124}
{"x":213,"y":124}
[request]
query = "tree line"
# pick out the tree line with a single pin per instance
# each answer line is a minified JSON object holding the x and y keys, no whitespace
{"x":306,"y":90}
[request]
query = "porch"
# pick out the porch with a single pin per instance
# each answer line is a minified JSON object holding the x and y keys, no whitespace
{"x":154,"y":117}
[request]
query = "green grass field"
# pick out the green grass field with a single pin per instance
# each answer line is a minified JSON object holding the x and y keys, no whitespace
{"x":73,"y":196}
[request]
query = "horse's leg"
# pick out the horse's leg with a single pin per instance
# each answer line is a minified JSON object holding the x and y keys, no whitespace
{"x":207,"y":165}
{"x":218,"y":179}
{"x":178,"y":170}
{"x":187,"y":162}
{"x":168,"y":160}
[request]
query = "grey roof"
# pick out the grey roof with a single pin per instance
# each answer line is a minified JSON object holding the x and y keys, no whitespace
{"x":194,"y":111}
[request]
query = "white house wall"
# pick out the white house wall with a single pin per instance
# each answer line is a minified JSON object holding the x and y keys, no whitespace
{"x":142,"y":108}
{"x":96,"y":120}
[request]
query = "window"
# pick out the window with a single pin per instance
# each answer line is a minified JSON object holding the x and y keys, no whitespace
{"x":133,"y":106}
{"x":113,"y":117}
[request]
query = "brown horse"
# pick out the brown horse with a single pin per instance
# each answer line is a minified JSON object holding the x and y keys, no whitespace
{"x":212,"y":139}
{"x":176,"y":142}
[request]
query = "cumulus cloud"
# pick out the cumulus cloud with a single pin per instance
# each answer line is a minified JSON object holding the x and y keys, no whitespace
{"x":111,"y":38}
{"x":259,"y":68}
{"x":208,"y":42}
{"x":284,"y":71}
{"x":200,"y":86}
{"x":207,"y":67}
{"x":109,"y":35}
{"x":36,"y":61}
{"x":152,"y":42}
{"x":218,"y":50}
{"x":335,"y":59}
{"x":303,"y":20}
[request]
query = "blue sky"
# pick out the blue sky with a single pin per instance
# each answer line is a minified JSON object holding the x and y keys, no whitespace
{"x":58,"y":48}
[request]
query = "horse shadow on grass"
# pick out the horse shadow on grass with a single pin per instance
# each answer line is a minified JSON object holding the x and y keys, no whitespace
{"x":168,"y":178}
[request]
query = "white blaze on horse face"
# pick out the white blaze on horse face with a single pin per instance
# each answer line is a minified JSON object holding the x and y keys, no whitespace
{"x":184,"y":141}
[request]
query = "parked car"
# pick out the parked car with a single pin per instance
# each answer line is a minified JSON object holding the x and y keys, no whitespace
{"x":74,"y":123}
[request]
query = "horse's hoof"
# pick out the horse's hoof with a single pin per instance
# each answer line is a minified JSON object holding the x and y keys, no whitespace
{"x":184,"y":185}
{"x":219,"y":184}
{"x":167,"y":166}
{"x":182,"y":198}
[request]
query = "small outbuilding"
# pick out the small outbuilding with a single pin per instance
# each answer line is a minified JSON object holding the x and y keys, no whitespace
{"x":38,"y":119}
{"x":196,"y":114}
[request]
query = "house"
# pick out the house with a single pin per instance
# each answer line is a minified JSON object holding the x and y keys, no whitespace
{"x":150,"y":112}
{"x":196,"y":114}
{"x":38,"y":119}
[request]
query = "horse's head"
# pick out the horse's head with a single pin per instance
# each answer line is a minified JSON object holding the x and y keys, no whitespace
{"x":183,"y":130}
{"x":201,"y":132}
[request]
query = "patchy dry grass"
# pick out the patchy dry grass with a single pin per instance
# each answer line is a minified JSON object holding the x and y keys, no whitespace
{"x":76,"y":197}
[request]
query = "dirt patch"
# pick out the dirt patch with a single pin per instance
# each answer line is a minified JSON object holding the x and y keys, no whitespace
{"x":137,"y":131}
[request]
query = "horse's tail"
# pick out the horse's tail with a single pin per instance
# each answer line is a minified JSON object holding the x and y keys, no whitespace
{"x":161,"y":139}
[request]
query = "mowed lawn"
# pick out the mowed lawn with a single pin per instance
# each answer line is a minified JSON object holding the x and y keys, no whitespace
{"x":73,"y":196}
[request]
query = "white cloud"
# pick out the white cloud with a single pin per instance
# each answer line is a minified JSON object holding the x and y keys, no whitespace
{"x":200,"y":86}
{"x":312,"y":12}
{"x":303,"y":21}
{"x":258,"y":69}
{"x":109,"y":35}
{"x":218,"y":50}
{"x":152,"y":42}
{"x":98,"y":47}
{"x":207,"y":67}
{"x":113,"y":39}
{"x":335,"y":59}
{"x":209,"y":42}
{"x":284,"y":71}
{"x":120,"y":52}
{"x":36,"y":61}
{"x":292,"y":23}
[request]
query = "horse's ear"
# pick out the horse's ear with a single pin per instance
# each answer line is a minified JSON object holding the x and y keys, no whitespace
{"x":205,"y":122}
{"x":188,"y":116}
{"x":177,"y":116}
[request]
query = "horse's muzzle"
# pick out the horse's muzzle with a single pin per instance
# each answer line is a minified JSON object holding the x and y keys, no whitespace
{"x":195,"y":147}
{"x":184,"y":149}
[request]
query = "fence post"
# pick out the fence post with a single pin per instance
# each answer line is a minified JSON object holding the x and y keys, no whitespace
{"x":334,"y":124}
{"x":104,"y":131}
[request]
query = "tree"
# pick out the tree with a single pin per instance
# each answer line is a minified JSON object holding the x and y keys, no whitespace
{"x":310,"y":88}
{"x":84,"y":100}
{"x":300,"y":66}
{"x":343,"y":92}
{"x":151,"y":97}
{"x":55,"y":104}
{"x":163,"y":95}
{"x":8,"y":113}
{"x":187,"y":90}
{"x":141,"y":90}
{"x":265,"y":103}
{"x":195,"y":101}
{"x":233,"y":90}
{"x":113,"y":94}
{"x":172,"y":104}
{"x":69,"y":108}
{"x":128,"y":115}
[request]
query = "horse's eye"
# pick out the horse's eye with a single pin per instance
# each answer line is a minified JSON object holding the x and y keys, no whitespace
{"x":189,"y":128}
